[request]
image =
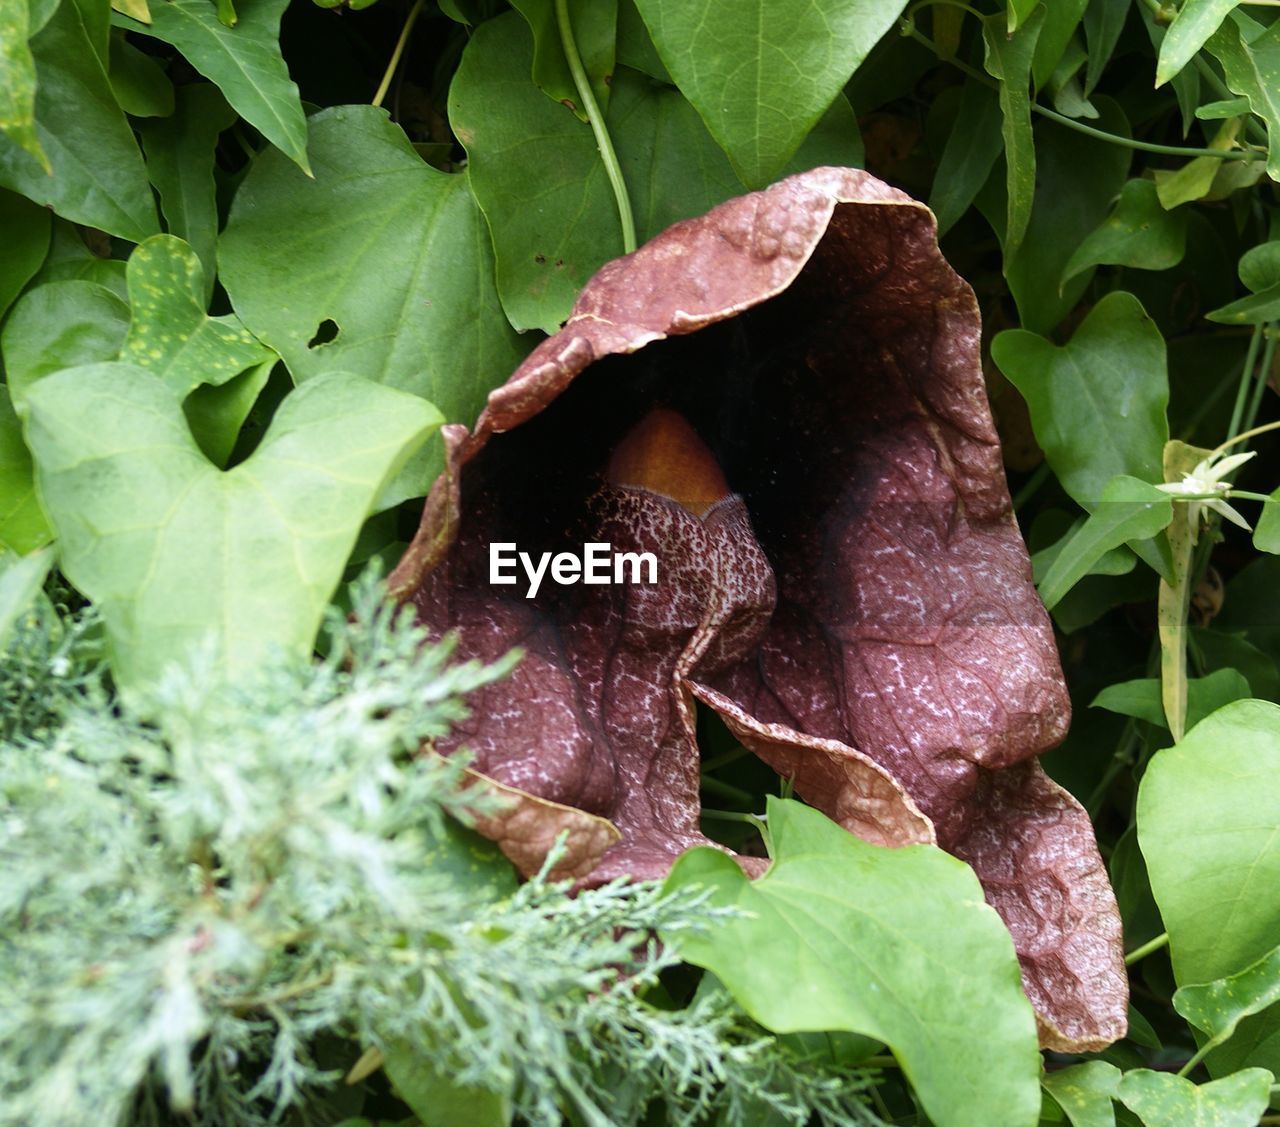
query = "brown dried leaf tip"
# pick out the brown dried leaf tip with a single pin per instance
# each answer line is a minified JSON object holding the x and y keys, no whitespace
{"x":781,"y":401}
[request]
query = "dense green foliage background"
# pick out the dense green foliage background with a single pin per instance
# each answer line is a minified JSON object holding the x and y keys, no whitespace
{"x":253,"y":253}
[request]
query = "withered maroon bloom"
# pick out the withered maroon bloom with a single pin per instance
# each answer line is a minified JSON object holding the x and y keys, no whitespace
{"x":782,"y":401}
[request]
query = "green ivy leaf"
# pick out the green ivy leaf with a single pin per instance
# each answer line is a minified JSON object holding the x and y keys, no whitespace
{"x":1206,"y":824}
{"x":180,"y":164}
{"x":762,"y":73}
{"x":1128,"y":510}
{"x":1205,"y":695}
{"x":1084,"y":1092}
{"x":59,"y":325}
{"x":1195,"y":179}
{"x":26,"y":240}
{"x":18,"y":90}
{"x":97,"y":176}
{"x":1138,"y":232}
{"x":70,"y":260}
{"x":387,"y":253}
{"x":1161,"y":1099}
{"x":22,"y":524}
{"x":1190,"y":30}
{"x":139,"y":82}
{"x":521,"y":145}
{"x":1260,"y":272}
{"x":897,"y":944}
{"x":177,"y":553}
{"x":1061,"y":18}
{"x":595,"y":33}
{"x":170,"y":333}
{"x":1008,"y":57}
{"x":1252,"y":69}
{"x":1098,"y":402}
{"x":216,"y":414}
{"x":1103,"y":23}
{"x":1218,"y":1007}
{"x":244,"y":61}
{"x":973,"y":144}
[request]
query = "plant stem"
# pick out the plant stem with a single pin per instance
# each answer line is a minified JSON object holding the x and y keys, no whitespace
{"x":1242,"y":392}
{"x":1197,"y":1057}
{"x":910,"y":31}
{"x":1148,"y":948}
{"x":723,"y":760}
{"x":1031,"y":486}
{"x":603,"y":141}
{"x":1260,"y":386}
{"x":390,"y":72}
{"x":727,"y":790}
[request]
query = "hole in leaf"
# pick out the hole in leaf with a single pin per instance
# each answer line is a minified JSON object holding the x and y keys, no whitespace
{"x":326,"y":333}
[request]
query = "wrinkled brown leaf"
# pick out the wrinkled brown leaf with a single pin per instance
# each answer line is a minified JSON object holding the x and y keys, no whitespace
{"x":860,"y":611}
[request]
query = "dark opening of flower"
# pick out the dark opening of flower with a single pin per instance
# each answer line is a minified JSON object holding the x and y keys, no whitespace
{"x":780,"y":401}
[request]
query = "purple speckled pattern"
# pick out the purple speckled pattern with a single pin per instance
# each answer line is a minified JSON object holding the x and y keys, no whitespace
{"x":859,"y":610}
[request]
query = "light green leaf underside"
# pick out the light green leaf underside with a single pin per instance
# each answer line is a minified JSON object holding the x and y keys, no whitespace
{"x":178,"y":554}
{"x":897,"y":944}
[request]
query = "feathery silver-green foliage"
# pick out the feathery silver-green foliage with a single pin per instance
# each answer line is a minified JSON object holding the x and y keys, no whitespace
{"x":213,"y":910}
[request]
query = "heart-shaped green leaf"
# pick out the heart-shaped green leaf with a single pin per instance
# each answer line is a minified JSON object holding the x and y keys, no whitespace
{"x":1190,"y":30}
{"x":897,"y":944}
{"x":1260,"y":272}
{"x":170,"y":333}
{"x":1161,"y":1099}
{"x":1252,"y":69}
{"x":1098,"y":402}
{"x":177,"y":553}
{"x":379,"y":266}
{"x":761,"y":73}
{"x":22,"y":524}
{"x":1205,"y":695}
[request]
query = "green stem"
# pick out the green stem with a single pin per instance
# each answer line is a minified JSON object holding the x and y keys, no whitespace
{"x":910,"y":31}
{"x":724,"y":759}
{"x":603,"y":141}
{"x":390,"y":72}
{"x":730,"y":816}
{"x":1260,"y":385}
{"x":1148,"y":948}
{"x":1246,"y":376}
{"x":1197,"y":1057}
{"x":1264,"y":429}
{"x":727,"y":790}
{"x":1031,"y":486}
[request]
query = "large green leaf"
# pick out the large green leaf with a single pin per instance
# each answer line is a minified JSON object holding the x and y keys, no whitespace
{"x":1161,"y":1099}
{"x":18,"y":88}
{"x":25,"y":228}
{"x":59,"y":325}
{"x":1127,"y":510}
{"x":1207,"y":825}
{"x":98,"y":177}
{"x":180,"y":164}
{"x":1008,"y":57}
{"x":1098,"y":402}
{"x":22,"y":524}
{"x":1138,"y":232}
{"x":177,"y":553}
{"x":170,"y":333}
{"x":897,"y":944}
{"x":1195,"y":22}
{"x":522,"y":147}
{"x":244,"y":61}
{"x":383,"y":255}
{"x":1252,"y":68}
{"x":761,"y":73}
